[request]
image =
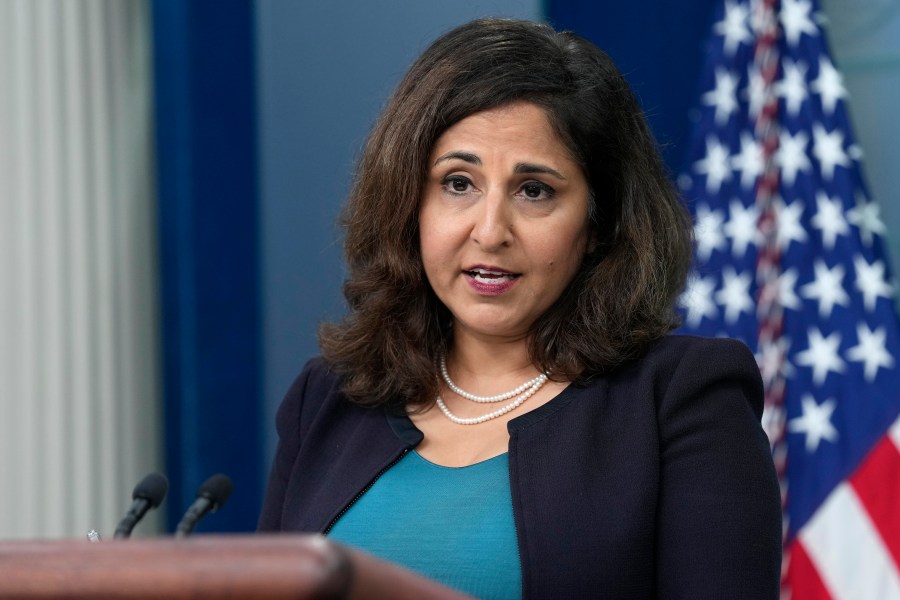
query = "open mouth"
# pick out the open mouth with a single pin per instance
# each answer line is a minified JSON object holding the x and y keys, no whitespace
{"x":490,"y":276}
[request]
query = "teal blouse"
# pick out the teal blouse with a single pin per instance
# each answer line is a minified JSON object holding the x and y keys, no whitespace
{"x":451,"y":524}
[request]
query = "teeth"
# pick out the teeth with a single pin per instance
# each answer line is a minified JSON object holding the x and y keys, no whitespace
{"x":485,"y":276}
{"x":485,"y":272}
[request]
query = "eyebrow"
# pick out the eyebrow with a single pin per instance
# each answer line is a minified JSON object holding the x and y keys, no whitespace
{"x":530,"y":168}
{"x":519,"y":168}
{"x":464,"y":156}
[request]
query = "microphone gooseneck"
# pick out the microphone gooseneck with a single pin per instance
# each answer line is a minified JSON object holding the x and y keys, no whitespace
{"x":211,"y":495}
{"x":148,"y":493}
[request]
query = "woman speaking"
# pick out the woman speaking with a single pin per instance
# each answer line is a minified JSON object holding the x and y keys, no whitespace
{"x":503,"y":408}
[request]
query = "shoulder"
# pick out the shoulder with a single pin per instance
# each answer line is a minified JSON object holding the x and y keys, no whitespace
{"x":314,"y":387}
{"x":681,"y":366}
{"x":316,"y":380}
{"x":316,"y":375}
{"x":697,"y":364}
{"x":675,"y":351}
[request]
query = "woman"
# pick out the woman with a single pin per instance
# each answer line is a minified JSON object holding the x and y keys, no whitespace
{"x":502,"y":409}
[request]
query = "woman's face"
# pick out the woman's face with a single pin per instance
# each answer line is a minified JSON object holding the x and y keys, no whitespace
{"x":503,"y":225}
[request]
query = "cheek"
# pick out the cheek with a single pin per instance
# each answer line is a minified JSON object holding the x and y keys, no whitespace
{"x":567,"y":247}
{"x":441,"y":233}
{"x":430,"y":258}
{"x":427,"y":234}
{"x":566,"y":257}
{"x":434,"y":250}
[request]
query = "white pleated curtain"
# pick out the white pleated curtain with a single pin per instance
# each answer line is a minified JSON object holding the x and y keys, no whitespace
{"x":79,"y":348}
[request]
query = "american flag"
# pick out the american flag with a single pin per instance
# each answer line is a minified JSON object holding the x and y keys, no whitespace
{"x":789,"y":258}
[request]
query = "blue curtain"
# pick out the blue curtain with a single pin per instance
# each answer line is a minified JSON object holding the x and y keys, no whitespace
{"x":206,"y":153}
{"x":658,"y":46}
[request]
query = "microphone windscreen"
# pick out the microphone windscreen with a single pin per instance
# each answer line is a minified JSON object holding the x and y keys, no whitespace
{"x":217,"y":489}
{"x":152,"y":488}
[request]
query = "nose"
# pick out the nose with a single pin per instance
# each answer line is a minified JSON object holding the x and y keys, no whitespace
{"x":492,"y":229}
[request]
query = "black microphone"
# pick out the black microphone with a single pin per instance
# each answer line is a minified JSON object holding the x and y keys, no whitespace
{"x":210,"y":498}
{"x":147,"y":494}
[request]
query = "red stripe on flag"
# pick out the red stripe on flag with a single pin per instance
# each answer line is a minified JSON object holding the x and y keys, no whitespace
{"x":802,"y":578}
{"x":877,"y":484}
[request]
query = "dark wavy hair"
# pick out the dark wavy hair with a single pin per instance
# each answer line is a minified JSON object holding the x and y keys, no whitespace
{"x":622,"y":297}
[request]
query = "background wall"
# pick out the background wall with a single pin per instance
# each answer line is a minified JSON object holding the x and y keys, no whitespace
{"x":865,"y":39}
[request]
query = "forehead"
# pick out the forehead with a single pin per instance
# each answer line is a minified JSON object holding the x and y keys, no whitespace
{"x":522,"y":129}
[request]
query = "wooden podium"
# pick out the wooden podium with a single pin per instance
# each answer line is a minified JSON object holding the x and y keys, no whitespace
{"x":273,"y":567}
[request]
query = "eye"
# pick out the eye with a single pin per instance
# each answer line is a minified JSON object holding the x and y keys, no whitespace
{"x":457,"y":184}
{"x":536,"y":191}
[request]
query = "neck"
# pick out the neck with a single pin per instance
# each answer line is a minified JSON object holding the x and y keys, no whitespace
{"x":480,"y":360}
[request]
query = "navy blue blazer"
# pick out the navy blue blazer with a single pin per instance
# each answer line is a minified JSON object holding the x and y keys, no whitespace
{"x":653,"y":482}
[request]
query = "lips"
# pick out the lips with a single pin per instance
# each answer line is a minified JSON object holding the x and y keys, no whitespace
{"x":487,"y":280}
{"x":491,"y":275}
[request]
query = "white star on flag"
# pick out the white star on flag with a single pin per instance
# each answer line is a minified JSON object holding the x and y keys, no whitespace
{"x":815,"y":422}
{"x":734,"y":296}
{"x":749,"y":161}
{"x":867,"y":217}
{"x":792,"y":87}
{"x":733,"y":26}
{"x":796,"y":19}
{"x":708,"y":231}
{"x":697,"y":299}
{"x":791,"y":155}
{"x":871,"y":351}
{"x":829,"y":85}
{"x":723,"y":96}
{"x":715,"y":165}
{"x":827,"y":288}
{"x":821,"y":355}
{"x":870,"y":281}
{"x":828,"y":147}
{"x":741,"y":227}
{"x":787,"y":281}
{"x":829,"y":219}
{"x":790,"y":229}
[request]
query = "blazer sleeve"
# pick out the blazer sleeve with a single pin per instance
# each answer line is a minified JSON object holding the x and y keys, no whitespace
{"x":288,"y":426}
{"x":719,"y":529}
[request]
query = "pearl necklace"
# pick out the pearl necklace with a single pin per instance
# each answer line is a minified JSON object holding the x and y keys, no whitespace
{"x":540,"y":379}
{"x":524,"y":392}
